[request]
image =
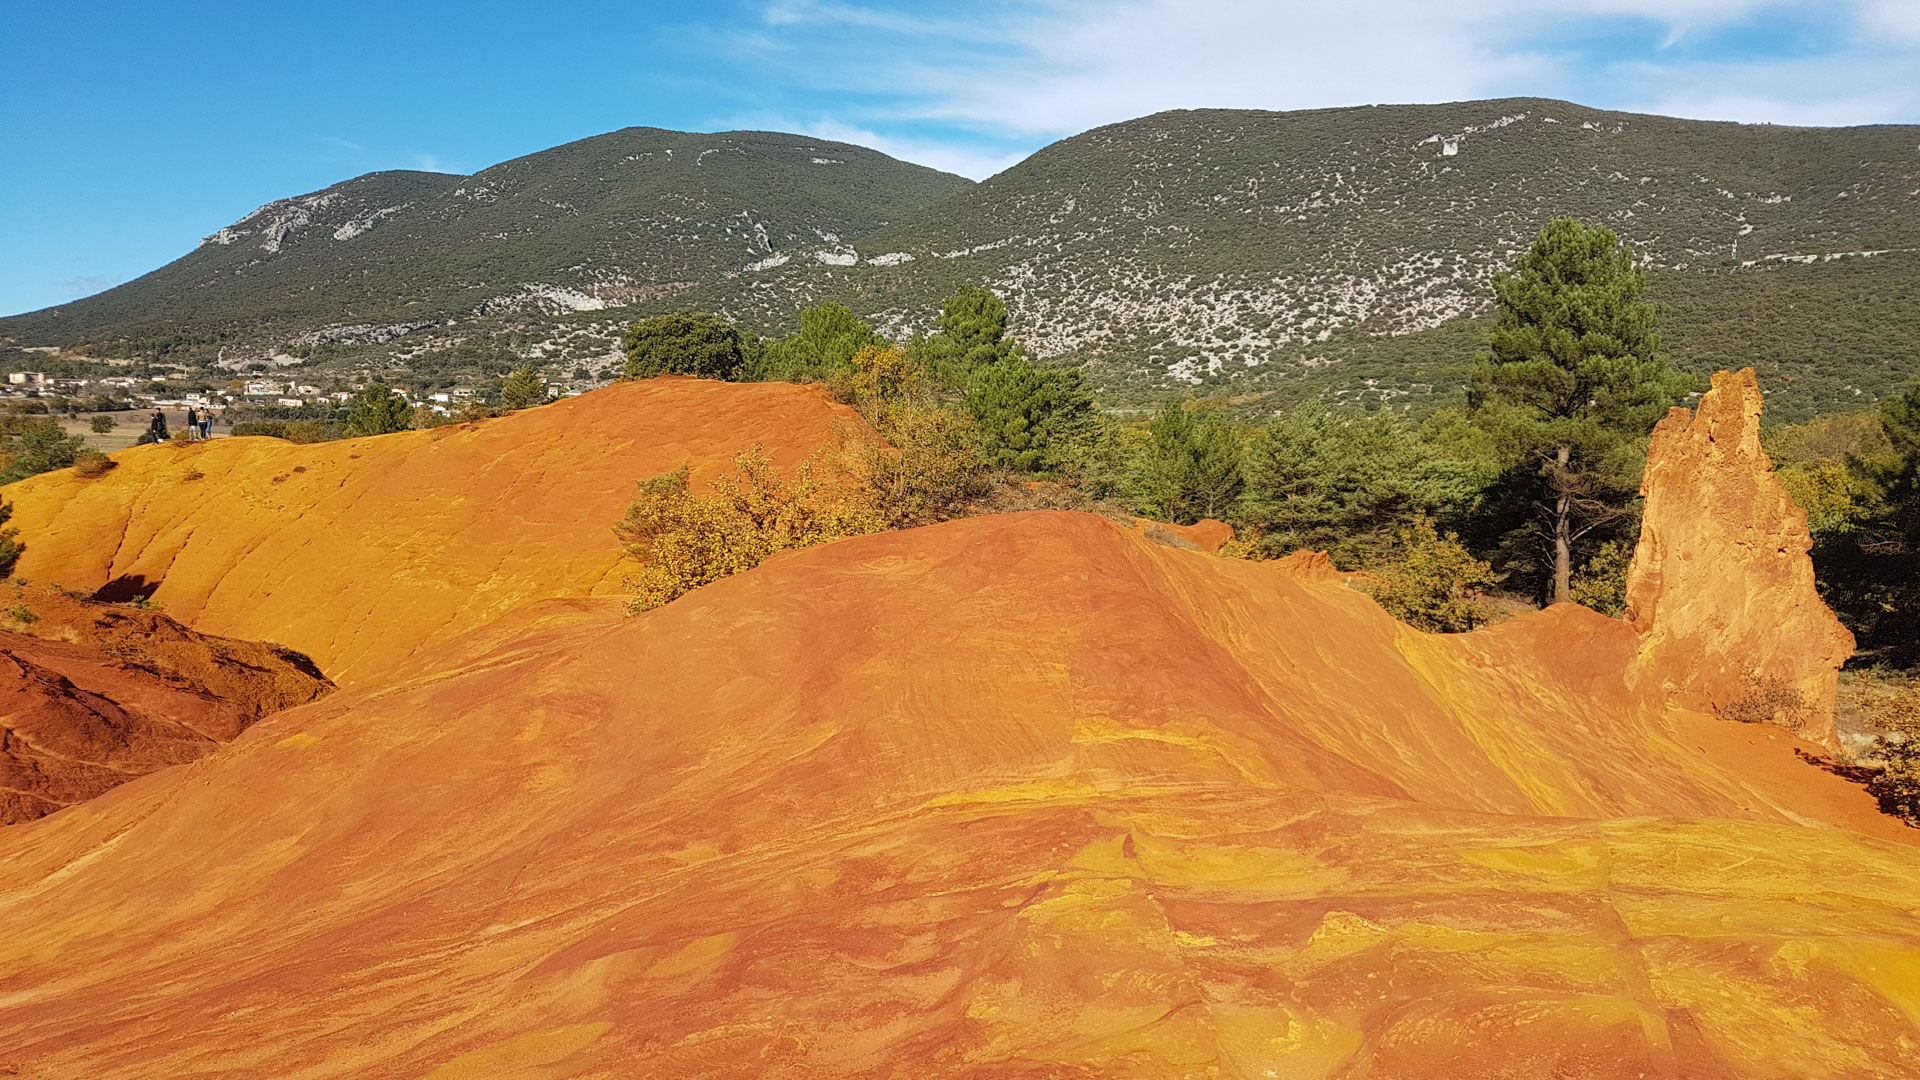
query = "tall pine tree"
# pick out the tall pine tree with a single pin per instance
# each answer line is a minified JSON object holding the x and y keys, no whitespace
{"x":1571,"y":385}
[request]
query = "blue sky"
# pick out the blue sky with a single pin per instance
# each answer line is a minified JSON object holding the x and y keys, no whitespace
{"x":128,"y":131}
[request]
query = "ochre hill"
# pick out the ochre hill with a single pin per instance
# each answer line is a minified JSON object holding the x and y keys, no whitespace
{"x":1018,"y":796}
{"x":358,"y":552}
{"x":93,"y":695}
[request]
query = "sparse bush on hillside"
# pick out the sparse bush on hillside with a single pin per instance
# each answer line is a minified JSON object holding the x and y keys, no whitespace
{"x":684,"y":540}
{"x":100,"y":425}
{"x":1436,"y":584}
{"x":92,"y":464}
{"x":10,"y":546}
{"x":523,"y":389}
{"x":1897,"y":786}
{"x":1602,"y":583}
{"x":297,"y":431}
{"x":696,"y":343}
{"x":1768,"y":699}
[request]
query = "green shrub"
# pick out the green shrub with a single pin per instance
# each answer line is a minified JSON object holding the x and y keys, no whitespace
{"x":10,"y":546}
{"x":92,"y":464}
{"x":1602,"y":583}
{"x":1436,"y":584}
{"x":101,"y":424}
{"x":1897,"y":785}
{"x":696,"y":343}
{"x":684,"y":541}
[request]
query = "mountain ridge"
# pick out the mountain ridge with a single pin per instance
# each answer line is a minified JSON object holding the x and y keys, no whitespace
{"x":1338,"y":255}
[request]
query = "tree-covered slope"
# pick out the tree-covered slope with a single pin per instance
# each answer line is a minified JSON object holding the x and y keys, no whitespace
{"x":1331,"y":250}
{"x":600,"y":222}
{"x":1262,"y":257}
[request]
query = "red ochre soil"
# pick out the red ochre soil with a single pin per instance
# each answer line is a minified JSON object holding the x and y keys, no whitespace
{"x":92,"y":695}
{"x":359,"y":552}
{"x":1019,"y":796}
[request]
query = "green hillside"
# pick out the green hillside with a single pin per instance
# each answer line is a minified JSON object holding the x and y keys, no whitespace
{"x":1260,"y":257}
{"x":604,"y":222}
{"x":1331,"y":253}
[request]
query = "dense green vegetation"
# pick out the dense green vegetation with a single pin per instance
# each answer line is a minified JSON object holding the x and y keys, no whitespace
{"x":695,"y":343}
{"x":1439,"y":513}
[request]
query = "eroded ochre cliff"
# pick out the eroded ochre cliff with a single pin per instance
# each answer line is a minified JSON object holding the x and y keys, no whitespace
{"x":1721,"y":588}
{"x":93,"y":695}
{"x":1026,"y":795}
{"x":360,"y":551}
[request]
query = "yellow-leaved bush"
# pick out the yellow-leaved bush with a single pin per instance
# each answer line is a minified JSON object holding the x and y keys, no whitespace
{"x":684,"y":540}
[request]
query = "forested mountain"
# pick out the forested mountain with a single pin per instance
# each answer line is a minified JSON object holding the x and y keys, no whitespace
{"x":604,"y":222}
{"x":1262,"y":257}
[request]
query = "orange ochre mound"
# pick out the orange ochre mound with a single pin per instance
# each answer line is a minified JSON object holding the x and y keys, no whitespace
{"x":93,"y":695}
{"x":359,"y":552}
{"x":1018,"y":796}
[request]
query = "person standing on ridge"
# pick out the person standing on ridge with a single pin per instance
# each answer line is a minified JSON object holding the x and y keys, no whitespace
{"x":206,"y":424}
{"x":193,"y":425}
{"x":158,"y":427}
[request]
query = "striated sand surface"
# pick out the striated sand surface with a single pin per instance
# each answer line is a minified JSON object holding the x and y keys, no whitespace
{"x":359,"y":552}
{"x":1019,"y":796}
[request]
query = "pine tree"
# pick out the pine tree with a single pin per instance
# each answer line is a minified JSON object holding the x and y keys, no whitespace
{"x":1026,"y":416}
{"x":377,"y":410}
{"x":822,"y":349}
{"x":973,"y":329}
{"x":1190,"y":467}
{"x":1573,"y":380}
{"x":522,"y":389}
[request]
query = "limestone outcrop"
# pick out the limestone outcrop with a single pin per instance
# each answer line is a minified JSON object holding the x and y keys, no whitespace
{"x":1721,"y":588}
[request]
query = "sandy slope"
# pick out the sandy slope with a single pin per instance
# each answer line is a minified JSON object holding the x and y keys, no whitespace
{"x":1014,"y":796}
{"x":358,"y":552}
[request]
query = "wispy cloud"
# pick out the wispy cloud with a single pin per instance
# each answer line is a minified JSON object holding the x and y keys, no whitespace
{"x":85,"y":285}
{"x":971,"y":94}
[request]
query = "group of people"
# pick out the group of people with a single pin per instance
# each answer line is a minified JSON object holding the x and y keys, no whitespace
{"x":199,"y":425}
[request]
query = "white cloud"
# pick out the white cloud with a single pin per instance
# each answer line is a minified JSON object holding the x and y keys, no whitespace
{"x":974,"y":162}
{"x":85,"y":285}
{"x":1896,"y":19}
{"x":973,"y":94}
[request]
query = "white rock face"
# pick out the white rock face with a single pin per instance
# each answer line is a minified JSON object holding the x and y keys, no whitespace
{"x":891,"y":258}
{"x":843,"y":257}
{"x":552,"y":299}
{"x":361,"y":223}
